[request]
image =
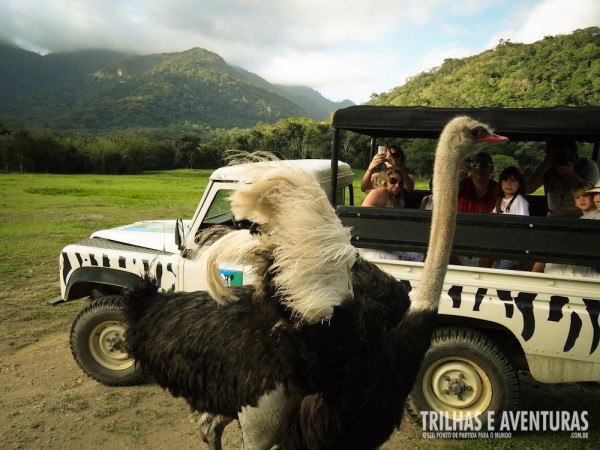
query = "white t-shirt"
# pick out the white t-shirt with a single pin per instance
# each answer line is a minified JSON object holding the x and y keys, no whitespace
{"x":595,"y":214}
{"x":429,"y":204}
{"x":518,"y":207}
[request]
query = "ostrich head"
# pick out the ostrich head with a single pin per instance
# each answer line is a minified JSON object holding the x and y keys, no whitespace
{"x":465,"y":136}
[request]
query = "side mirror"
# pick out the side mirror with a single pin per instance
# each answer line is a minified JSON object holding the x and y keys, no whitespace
{"x":179,"y":234}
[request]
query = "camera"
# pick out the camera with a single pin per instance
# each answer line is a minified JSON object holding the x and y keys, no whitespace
{"x":474,"y":164}
{"x":561,"y":160}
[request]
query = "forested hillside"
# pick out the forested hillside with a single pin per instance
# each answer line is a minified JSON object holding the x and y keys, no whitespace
{"x":557,"y":70}
{"x":100,"y":92}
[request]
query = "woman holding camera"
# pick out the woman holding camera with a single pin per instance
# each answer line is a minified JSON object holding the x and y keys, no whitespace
{"x":393,"y":157}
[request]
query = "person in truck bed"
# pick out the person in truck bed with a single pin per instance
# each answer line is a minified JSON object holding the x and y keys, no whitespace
{"x":393,"y":158}
{"x":561,"y":169}
{"x":511,"y":200}
{"x":388,"y":193}
{"x":477,"y":192}
{"x":511,"y":193}
{"x":388,"y":190}
{"x":584,"y":200}
{"x":596,"y":193}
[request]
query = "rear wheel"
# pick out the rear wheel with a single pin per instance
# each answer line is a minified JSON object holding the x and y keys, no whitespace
{"x":464,"y":374}
{"x":98,"y":344}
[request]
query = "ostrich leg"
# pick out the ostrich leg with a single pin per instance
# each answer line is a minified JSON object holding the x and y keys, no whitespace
{"x":211,"y":429}
{"x":261,"y":425}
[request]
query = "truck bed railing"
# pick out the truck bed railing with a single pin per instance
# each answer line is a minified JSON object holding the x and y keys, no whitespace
{"x":567,"y":241}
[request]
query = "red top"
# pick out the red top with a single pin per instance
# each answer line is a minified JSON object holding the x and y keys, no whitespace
{"x":468,"y":200}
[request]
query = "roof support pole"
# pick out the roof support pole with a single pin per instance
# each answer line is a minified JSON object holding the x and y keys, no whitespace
{"x":334,"y":164}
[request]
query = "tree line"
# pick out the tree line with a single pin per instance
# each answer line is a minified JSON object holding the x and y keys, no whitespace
{"x":47,"y":151}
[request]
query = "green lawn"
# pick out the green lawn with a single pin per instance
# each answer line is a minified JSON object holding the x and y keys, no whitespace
{"x":40,"y":214}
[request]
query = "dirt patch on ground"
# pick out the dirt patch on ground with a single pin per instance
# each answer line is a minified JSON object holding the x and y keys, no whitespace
{"x":47,"y":402}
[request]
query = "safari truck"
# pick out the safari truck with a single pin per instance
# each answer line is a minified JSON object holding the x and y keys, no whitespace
{"x":492,"y":322}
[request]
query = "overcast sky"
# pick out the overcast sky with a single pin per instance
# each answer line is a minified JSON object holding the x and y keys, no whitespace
{"x":345,"y":49}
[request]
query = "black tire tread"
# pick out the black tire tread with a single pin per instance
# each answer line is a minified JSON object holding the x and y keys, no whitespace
{"x":109,"y":303}
{"x":482,"y":344}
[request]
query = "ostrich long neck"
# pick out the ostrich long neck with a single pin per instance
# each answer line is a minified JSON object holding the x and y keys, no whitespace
{"x":445,"y":193}
{"x":461,"y":136}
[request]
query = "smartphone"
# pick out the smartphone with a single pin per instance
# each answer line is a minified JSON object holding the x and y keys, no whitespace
{"x":381,"y":149}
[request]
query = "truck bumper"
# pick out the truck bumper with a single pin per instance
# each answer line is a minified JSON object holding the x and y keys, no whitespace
{"x":55,"y":301}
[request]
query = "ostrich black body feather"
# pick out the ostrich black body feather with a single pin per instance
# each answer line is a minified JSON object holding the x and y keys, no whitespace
{"x":340,"y":375}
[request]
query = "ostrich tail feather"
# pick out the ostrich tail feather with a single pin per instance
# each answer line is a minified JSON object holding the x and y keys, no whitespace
{"x":237,"y":247}
{"x":267,"y":191}
{"x":312,"y":251}
{"x":301,"y":245}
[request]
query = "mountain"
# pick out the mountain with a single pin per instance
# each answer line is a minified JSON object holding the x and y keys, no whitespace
{"x":98,"y":91}
{"x":24,"y":70}
{"x":312,"y":102}
{"x":557,"y":70}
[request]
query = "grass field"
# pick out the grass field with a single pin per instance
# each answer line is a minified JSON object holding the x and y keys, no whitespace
{"x":40,"y":214}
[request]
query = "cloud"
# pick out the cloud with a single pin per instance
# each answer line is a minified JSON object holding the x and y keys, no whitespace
{"x":343,"y":48}
{"x":549,"y":18}
{"x":553,"y":17}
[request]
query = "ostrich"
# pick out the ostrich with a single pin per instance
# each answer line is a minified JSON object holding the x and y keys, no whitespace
{"x":323,"y":349}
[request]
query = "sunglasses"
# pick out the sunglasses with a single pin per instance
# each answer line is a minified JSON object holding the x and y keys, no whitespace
{"x":393,"y":181}
{"x":395,"y":155}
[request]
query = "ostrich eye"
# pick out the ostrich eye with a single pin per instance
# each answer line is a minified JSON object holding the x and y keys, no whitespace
{"x":479,"y":132}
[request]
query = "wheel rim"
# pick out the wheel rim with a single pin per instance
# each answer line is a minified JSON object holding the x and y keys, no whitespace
{"x":457,"y":386}
{"x":107,"y":346}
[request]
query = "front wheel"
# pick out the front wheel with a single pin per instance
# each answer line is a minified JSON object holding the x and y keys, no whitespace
{"x":98,"y":345}
{"x":464,"y":374}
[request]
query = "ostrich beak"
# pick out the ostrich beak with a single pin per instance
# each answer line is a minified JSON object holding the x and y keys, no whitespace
{"x":491,"y":138}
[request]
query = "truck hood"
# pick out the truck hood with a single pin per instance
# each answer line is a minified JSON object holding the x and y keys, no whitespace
{"x":154,"y":234}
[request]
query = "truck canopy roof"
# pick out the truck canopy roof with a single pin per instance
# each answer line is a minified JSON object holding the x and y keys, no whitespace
{"x":518,"y":124}
{"x":319,"y":169}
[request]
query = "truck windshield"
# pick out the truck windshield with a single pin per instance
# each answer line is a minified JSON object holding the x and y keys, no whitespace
{"x":219,"y":212}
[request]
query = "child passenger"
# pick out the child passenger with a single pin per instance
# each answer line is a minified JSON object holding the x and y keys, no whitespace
{"x":596,"y":193}
{"x":587,"y":199}
{"x":510,"y":200}
{"x":511,"y":190}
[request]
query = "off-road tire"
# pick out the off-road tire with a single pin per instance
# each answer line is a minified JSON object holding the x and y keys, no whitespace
{"x":464,"y":373}
{"x":97,"y":343}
